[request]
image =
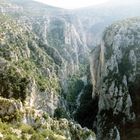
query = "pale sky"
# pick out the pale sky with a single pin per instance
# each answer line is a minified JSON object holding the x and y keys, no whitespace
{"x":72,"y":4}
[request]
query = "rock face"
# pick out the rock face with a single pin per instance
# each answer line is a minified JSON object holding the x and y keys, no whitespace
{"x":115,"y":77}
{"x":51,"y":49}
{"x":9,"y":109}
{"x":63,"y":43}
{"x":70,"y":130}
{"x":25,"y":68}
{"x":43,"y":68}
{"x":6,"y":7}
{"x":38,"y":57}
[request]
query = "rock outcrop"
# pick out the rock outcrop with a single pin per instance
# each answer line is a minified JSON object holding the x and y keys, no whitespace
{"x":39,"y":58}
{"x":43,"y":73}
{"x":63,"y":43}
{"x":10,"y":109}
{"x":27,"y":72}
{"x":115,"y":75}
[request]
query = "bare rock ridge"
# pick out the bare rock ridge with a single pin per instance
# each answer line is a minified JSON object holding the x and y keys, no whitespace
{"x":115,"y":76}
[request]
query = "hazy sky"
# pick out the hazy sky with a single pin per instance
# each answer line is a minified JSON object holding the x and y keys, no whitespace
{"x":72,"y":4}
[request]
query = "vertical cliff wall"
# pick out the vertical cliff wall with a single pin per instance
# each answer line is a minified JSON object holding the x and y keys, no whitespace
{"x":115,"y":77}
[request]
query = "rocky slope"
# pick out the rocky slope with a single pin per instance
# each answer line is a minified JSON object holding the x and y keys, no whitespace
{"x":28,"y":66}
{"x":115,"y":77}
{"x":44,"y":73}
{"x":40,"y":57}
{"x":55,"y":36}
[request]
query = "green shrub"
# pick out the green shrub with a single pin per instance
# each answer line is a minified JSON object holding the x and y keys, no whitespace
{"x":45,"y":116}
{"x":13,"y":82}
{"x":37,"y":136}
{"x":75,"y":85}
{"x":47,"y":133}
{"x":11,"y":137}
{"x":60,"y":113}
{"x":27,"y":129}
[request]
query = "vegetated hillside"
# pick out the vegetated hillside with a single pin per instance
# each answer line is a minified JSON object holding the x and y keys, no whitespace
{"x":44,"y":72}
{"x":116,"y":77}
{"x":41,"y":59}
{"x":25,"y":61}
{"x":57,"y":36}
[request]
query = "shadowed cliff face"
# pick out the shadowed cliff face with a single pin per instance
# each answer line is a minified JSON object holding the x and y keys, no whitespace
{"x":115,"y":74}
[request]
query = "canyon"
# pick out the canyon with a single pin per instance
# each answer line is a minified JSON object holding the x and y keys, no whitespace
{"x":69,"y":74}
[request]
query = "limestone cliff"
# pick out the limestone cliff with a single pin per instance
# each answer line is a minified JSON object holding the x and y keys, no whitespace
{"x":115,"y":77}
{"x":44,"y":74}
{"x":27,"y":72}
{"x":53,"y":44}
{"x":60,"y":38}
{"x":39,"y":58}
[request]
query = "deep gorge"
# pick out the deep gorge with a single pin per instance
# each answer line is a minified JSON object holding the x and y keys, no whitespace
{"x":68,"y":76}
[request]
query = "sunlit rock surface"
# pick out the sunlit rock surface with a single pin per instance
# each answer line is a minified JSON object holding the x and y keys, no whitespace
{"x":115,"y":74}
